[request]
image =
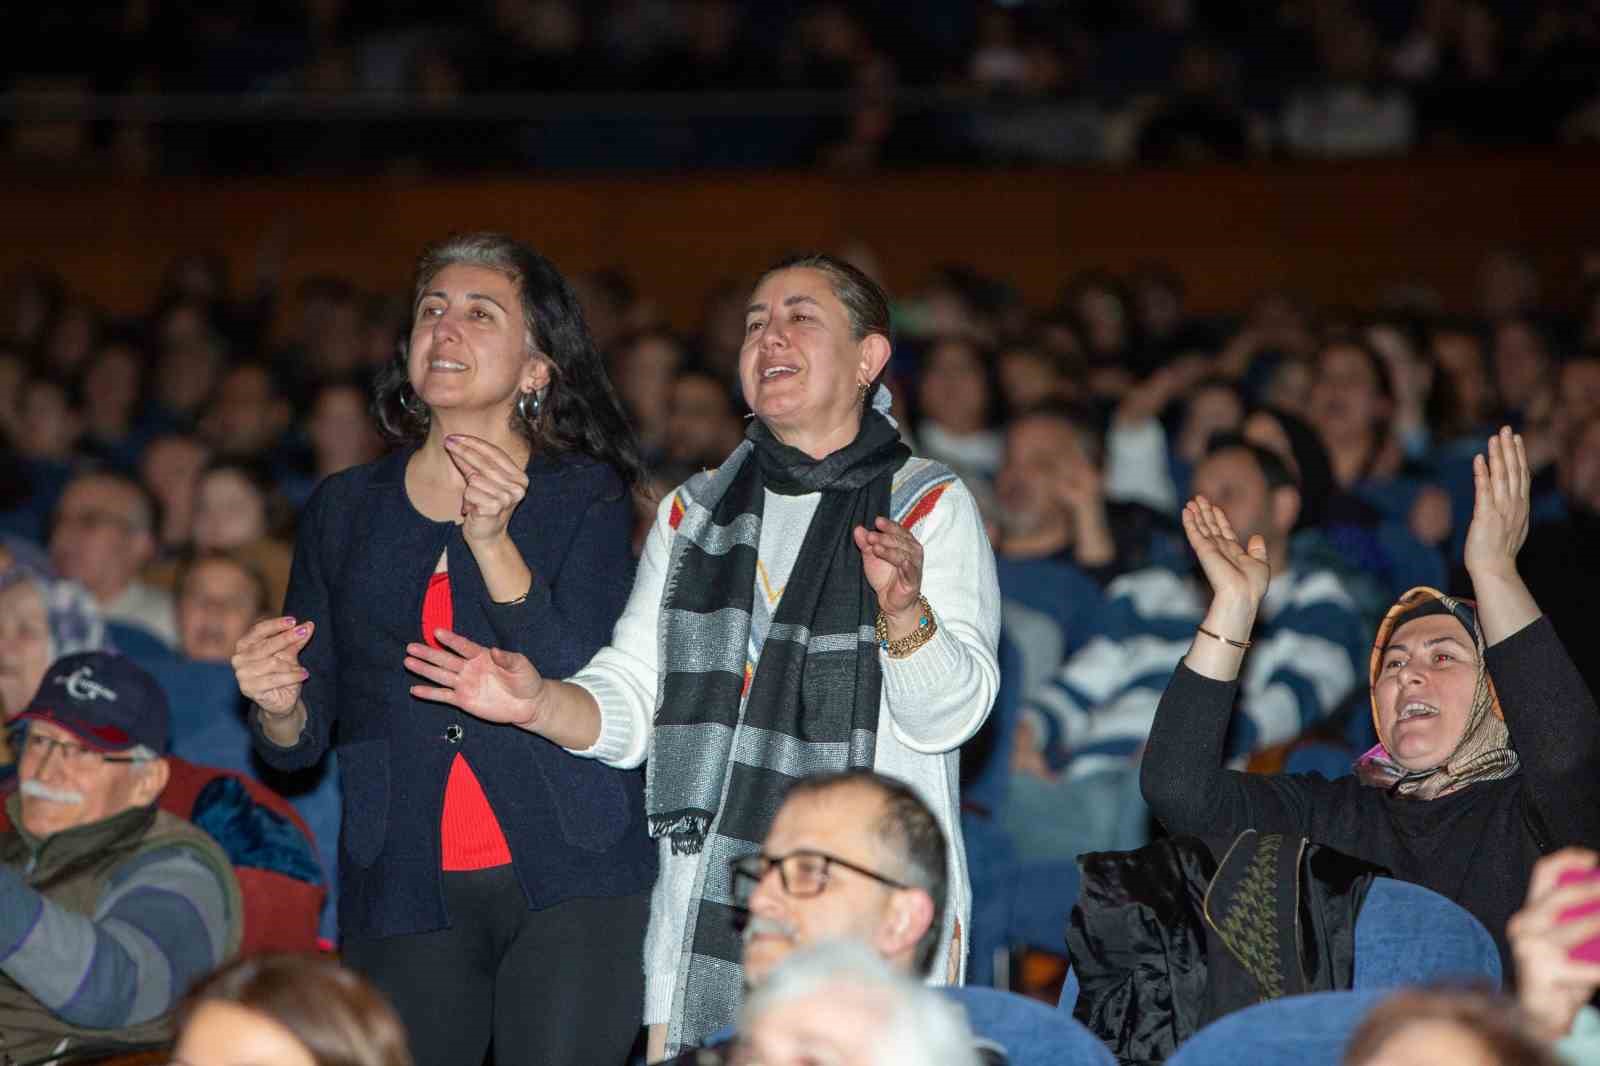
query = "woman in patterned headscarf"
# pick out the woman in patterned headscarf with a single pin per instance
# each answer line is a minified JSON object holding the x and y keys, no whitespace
{"x":41,"y":619}
{"x":1489,"y":752}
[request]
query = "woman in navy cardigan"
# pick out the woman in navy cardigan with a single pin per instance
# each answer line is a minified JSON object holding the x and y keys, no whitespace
{"x":492,"y":885}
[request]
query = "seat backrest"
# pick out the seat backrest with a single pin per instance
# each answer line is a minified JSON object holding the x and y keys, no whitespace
{"x":1307,"y":1030}
{"x":274,"y":855}
{"x":1410,"y":935}
{"x":1031,"y":1033}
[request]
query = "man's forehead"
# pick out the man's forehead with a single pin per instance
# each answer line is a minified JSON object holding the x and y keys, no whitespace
{"x":843,"y":815}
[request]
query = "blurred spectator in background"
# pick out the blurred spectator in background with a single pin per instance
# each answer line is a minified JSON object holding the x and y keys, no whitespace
{"x":703,"y":426}
{"x":48,"y":426}
{"x":238,"y":508}
{"x":42,"y":618}
{"x":1559,"y":561}
{"x":1523,"y":368}
{"x":290,"y":1010}
{"x":645,"y":367}
{"x":1082,"y":734}
{"x":1052,"y":502}
{"x":218,"y":598}
{"x":1200,"y":121}
{"x":113,"y":403}
{"x":959,"y":404}
{"x":170,"y":469}
{"x":191,"y":356}
{"x":247,"y":415}
{"x":1351,"y":113}
{"x":326,"y":338}
{"x":103,"y":534}
{"x":340,"y":429}
{"x":1032,"y":374}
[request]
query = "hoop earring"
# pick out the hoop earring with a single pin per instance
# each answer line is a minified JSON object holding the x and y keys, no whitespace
{"x":413,"y":403}
{"x":530,"y":404}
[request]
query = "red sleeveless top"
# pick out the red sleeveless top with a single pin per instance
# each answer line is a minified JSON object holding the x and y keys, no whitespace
{"x":469,"y":833}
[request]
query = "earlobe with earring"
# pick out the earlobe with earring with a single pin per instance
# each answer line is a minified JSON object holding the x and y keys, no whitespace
{"x":862,"y":389}
{"x":530,"y":403}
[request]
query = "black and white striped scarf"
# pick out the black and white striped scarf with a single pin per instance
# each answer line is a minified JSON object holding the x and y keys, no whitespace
{"x":728,"y":740}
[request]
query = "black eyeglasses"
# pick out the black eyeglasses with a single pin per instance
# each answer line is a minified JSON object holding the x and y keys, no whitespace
{"x":76,"y":756}
{"x":803,"y":873}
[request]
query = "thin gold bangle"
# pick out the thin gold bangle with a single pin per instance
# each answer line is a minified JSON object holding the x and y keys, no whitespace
{"x":1225,"y":640}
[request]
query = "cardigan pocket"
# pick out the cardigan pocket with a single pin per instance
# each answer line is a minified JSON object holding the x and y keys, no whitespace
{"x":364,"y":778}
{"x":589,"y":800}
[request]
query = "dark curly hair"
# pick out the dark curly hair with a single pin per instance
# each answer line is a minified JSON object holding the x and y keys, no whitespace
{"x":580,"y":412}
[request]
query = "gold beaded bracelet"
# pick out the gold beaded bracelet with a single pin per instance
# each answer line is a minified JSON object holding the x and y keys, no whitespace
{"x":926,"y":628}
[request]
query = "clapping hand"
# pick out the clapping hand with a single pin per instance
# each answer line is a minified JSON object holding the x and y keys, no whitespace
{"x":1501,"y":493}
{"x":1238,"y":574}
{"x":495,"y":486}
{"x":495,"y":685}
{"x":892,"y":560}
{"x":266,"y":664}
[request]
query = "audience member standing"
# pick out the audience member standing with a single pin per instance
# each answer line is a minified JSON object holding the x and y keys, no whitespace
{"x":494,"y":887}
{"x":822,"y":601}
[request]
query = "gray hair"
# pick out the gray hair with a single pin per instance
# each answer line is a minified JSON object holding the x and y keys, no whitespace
{"x":918,"y":1025}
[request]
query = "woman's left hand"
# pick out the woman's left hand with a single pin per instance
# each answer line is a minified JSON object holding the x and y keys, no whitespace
{"x":495,"y":486}
{"x":892,"y":560}
{"x":1500,"y":505}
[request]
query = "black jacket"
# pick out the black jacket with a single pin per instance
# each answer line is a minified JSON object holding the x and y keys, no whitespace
{"x":1170,"y":937}
{"x":362,"y":561}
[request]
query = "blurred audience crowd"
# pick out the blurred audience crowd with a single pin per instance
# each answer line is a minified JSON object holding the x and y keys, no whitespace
{"x":879,"y":83}
{"x":152,"y":466}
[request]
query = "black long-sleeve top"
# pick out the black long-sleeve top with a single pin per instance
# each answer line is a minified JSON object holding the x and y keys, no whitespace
{"x":1476,"y":846}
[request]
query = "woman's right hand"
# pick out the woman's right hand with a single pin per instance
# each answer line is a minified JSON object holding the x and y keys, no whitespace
{"x":266,"y":663}
{"x":1239,"y":574}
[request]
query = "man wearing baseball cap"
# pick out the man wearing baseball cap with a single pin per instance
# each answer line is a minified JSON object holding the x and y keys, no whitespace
{"x":109,"y":908}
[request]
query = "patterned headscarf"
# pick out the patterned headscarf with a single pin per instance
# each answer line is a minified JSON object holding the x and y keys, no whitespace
{"x":1483,"y":753}
{"x":75,"y":622}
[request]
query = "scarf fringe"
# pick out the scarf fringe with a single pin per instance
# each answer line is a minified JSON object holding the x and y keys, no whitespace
{"x":686,"y":829}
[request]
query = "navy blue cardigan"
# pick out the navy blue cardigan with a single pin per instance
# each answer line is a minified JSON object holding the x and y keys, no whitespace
{"x":362,"y":559}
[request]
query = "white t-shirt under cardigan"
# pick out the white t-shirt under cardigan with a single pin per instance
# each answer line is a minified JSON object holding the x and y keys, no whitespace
{"x":932,"y":701}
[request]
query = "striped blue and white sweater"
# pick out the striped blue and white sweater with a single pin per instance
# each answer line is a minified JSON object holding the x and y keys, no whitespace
{"x":1307,"y":646}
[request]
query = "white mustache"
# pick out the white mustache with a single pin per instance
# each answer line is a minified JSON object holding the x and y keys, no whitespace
{"x":760,"y":926}
{"x":39,"y":790}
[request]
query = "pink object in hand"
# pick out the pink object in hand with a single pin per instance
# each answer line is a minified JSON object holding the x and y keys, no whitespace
{"x":1589,"y":950}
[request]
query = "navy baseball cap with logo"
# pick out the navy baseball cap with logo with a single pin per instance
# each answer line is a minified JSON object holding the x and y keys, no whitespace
{"x":105,"y":700}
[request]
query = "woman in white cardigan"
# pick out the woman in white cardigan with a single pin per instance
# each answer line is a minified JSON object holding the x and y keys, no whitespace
{"x":880,"y":653}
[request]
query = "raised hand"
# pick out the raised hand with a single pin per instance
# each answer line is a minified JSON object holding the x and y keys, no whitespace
{"x":892,"y":560}
{"x":266,"y":664}
{"x":1501,"y":490}
{"x":495,"y":486}
{"x":1238,"y":574}
{"x":493,"y":684}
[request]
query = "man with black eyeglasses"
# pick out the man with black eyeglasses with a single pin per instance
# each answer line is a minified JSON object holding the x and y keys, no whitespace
{"x":109,"y":908}
{"x":850,"y":856}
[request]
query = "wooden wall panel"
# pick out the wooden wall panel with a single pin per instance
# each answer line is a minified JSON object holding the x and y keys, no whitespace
{"x":1336,"y":233}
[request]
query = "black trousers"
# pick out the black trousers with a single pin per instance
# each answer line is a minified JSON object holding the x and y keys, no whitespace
{"x":557,"y":987}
